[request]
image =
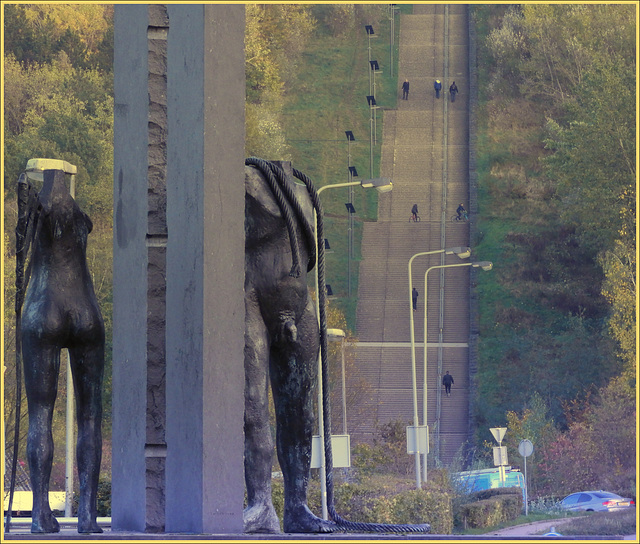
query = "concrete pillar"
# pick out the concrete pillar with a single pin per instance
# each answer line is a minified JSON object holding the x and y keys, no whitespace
{"x":178,"y":268}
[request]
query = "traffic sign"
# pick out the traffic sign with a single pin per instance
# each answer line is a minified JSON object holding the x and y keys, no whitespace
{"x":525,"y":448}
{"x":498,"y":433}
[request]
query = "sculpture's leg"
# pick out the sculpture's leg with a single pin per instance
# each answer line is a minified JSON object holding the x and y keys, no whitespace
{"x":259,"y":516}
{"x":293,"y":372}
{"x":87,"y":365}
{"x":41,"y":365}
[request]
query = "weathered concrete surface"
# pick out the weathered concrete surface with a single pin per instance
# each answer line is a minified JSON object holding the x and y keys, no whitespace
{"x":178,"y":268}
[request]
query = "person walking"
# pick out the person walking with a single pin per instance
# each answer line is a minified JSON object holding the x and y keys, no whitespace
{"x":437,"y":85}
{"x":453,"y":90}
{"x":414,"y":212}
{"x":405,"y":90}
{"x":414,"y":297}
{"x":447,"y":381}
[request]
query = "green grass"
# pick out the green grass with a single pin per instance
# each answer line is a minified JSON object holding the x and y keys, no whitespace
{"x":622,"y":522}
{"x":327,"y":98}
{"x":596,"y":523}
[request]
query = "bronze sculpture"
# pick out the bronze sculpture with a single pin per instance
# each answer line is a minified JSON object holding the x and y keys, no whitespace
{"x":282,"y":342}
{"x":61,"y":311}
{"x":281,"y":345}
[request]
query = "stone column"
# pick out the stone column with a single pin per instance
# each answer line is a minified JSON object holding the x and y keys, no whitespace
{"x":178,"y":268}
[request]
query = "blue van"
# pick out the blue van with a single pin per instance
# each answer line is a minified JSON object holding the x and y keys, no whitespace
{"x":479,"y":480}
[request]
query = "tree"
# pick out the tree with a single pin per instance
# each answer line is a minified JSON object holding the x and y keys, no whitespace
{"x":598,"y":449}
{"x":562,"y":42}
{"x":563,"y":309}
{"x":619,"y":287}
{"x":592,"y":155}
{"x":533,"y":424}
{"x":36,"y":33}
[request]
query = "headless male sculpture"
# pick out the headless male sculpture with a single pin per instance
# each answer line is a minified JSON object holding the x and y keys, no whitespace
{"x":281,"y":345}
{"x":60,"y":311}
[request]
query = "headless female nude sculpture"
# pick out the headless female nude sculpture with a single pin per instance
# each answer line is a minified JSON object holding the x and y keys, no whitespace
{"x":60,"y":311}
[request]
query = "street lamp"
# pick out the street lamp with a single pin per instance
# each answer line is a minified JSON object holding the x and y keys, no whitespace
{"x":484,"y":265}
{"x":382,"y":185}
{"x":463,"y":253}
{"x":352,"y":173}
{"x":370,"y":34}
{"x":375,"y":69}
{"x":392,"y":39}
{"x":371,"y":100}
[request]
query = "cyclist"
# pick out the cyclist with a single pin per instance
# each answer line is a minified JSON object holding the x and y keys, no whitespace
{"x":461,"y":211}
{"x":414,"y":212}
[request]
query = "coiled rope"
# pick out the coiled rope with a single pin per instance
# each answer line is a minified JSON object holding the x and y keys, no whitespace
{"x":267,"y":168}
{"x":285,"y":196}
{"x":26,"y":232}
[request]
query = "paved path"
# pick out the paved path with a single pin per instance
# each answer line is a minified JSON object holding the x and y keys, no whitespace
{"x":425,"y":152}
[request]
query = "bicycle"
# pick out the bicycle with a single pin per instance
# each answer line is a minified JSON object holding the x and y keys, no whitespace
{"x":415,"y":218}
{"x":463,"y":218}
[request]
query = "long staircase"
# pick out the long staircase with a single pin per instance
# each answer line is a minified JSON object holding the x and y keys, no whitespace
{"x":425,"y":153}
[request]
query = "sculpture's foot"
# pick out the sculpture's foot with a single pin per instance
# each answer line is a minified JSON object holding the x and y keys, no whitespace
{"x":89,"y":526}
{"x":261,"y":518}
{"x":301,"y":520}
{"x":45,"y":523}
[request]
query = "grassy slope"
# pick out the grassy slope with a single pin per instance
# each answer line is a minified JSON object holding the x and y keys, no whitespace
{"x":541,"y":312}
{"x":327,"y":98}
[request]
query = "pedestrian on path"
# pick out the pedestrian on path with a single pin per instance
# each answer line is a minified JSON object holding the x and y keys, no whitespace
{"x":453,"y":90}
{"x":437,"y":85}
{"x":414,"y":297}
{"x":447,"y":381}
{"x":414,"y":212}
{"x":405,"y":90}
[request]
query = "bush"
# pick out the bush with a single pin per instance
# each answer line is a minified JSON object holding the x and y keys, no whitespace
{"x":381,"y":500}
{"x":424,"y":506}
{"x":493,"y":507}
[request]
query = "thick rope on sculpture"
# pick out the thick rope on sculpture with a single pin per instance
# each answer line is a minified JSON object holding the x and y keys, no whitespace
{"x":286,"y":199}
{"x":25,"y":233}
{"x":283,"y":192}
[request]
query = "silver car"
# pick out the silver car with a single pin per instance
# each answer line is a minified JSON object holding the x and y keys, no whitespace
{"x":595,"y":501}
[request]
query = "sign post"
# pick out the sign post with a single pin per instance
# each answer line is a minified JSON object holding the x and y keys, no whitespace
{"x":525,"y":448}
{"x":500,"y":452}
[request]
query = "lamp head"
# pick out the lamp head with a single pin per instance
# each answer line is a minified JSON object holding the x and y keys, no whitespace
{"x":335,"y":334}
{"x":485,"y":265}
{"x":462,"y":252}
{"x":382,"y":185}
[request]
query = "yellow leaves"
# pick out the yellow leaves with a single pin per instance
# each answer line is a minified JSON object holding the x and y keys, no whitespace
{"x":619,"y":287}
{"x":88,"y":21}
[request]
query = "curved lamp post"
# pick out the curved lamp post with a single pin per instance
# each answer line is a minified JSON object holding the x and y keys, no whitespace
{"x":383,"y":185}
{"x":484,"y":265}
{"x":463,"y":253}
